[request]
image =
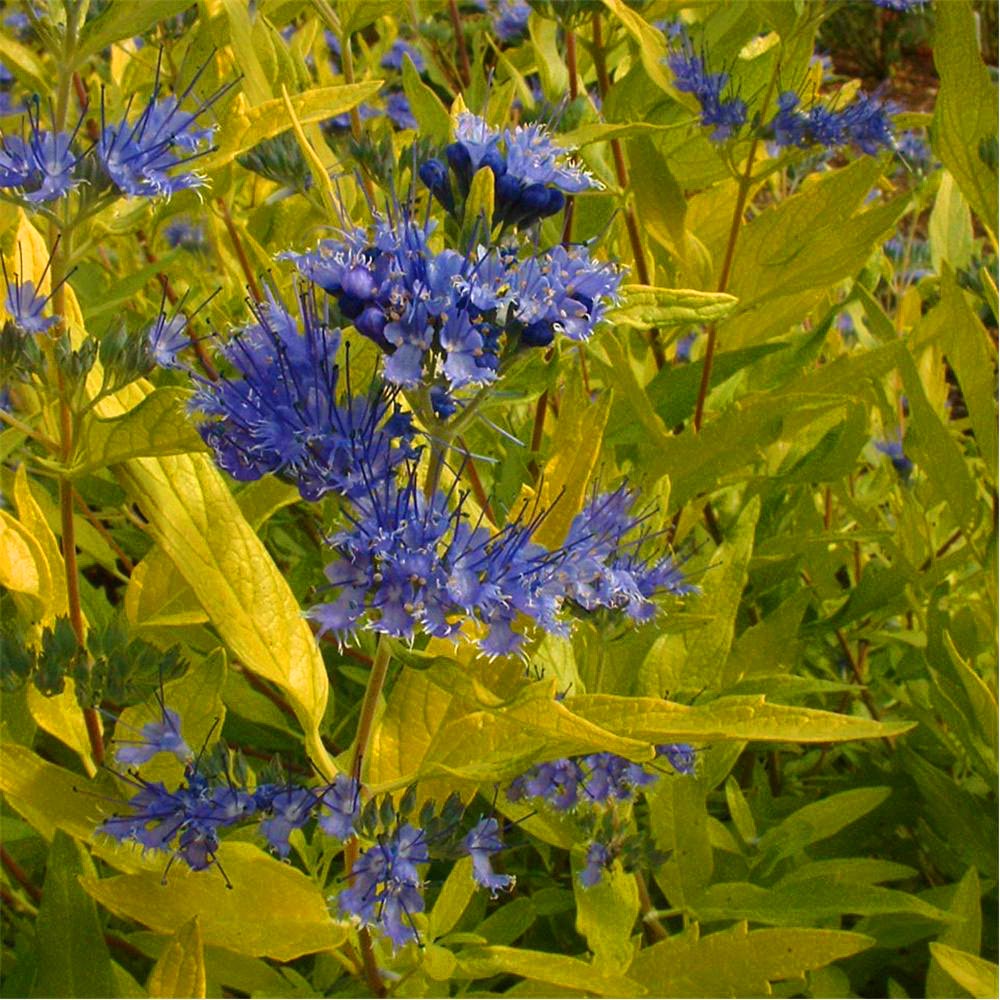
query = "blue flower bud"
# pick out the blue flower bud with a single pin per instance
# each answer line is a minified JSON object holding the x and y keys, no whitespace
{"x":358,"y":283}
{"x":371,"y":323}
{"x":435,"y":175}
{"x":538,"y":334}
{"x":461,"y":162}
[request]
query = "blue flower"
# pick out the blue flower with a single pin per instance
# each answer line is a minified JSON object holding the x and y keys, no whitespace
{"x":680,"y":756}
{"x":482,"y":841}
{"x":289,"y":809}
{"x":151,"y":156}
{"x":166,"y":338}
{"x":39,"y":167}
{"x":510,"y":19}
{"x":610,"y":778}
{"x":385,"y":889}
{"x":281,"y":415}
{"x":864,"y":123}
{"x":181,"y":232}
{"x":397,"y":107}
{"x":893,"y":450}
{"x":900,"y":6}
{"x":393,"y":59}
{"x":557,"y":782}
{"x":598,"y":858}
{"x":682,"y":352}
{"x":725,"y":116}
{"x":341,"y":803}
{"x":157,"y":737}
{"x":24,"y":306}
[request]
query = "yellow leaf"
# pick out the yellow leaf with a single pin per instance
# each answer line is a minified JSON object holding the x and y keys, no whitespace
{"x":61,"y":716}
{"x":23,"y":567}
{"x":573,"y":455}
{"x":272,"y":909}
{"x":180,"y":969}
{"x":31,"y":516}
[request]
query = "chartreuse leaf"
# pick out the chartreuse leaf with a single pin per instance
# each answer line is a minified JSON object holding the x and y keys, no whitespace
{"x":479,"y":207}
{"x":197,"y":699}
{"x":24,"y":64}
{"x":546,"y":967}
{"x":246,"y":126}
{"x":805,"y":901}
{"x":441,"y":722}
{"x":950,"y":228}
{"x":432,"y":116}
{"x":159,"y":425}
{"x":964,"y":134}
{"x":23,"y":566}
{"x":256,"y":84}
{"x":817,"y":821}
{"x":272,"y":909}
{"x":643,"y":306}
{"x":73,"y":960}
{"x":980,"y":977}
{"x":124,"y":20}
{"x":605,"y":916}
{"x":678,"y":817}
{"x":735,"y":962}
{"x":31,"y":517}
{"x":573,"y":453}
{"x":652,"y":46}
{"x":195,"y":519}
{"x":454,"y":897}
{"x":180,"y":969}
{"x":965,"y":933}
{"x":742,"y":718}
{"x":60,"y":715}
{"x":972,"y":357}
{"x":696,"y":659}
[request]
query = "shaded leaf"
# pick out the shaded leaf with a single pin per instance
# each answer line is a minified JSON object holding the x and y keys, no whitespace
{"x":180,"y":969}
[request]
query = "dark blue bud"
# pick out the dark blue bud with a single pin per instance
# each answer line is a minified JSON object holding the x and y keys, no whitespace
{"x":537,"y":334}
{"x":371,"y":322}
{"x":507,"y":190}
{"x":461,"y":162}
{"x":358,"y":283}
{"x":556,"y":201}
{"x":494,"y":161}
{"x":435,"y":175}
{"x":534,"y":200}
{"x":442,"y":402}
{"x":350,"y":306}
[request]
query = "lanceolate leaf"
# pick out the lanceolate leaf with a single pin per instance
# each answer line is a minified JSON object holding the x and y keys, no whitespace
{"x":180,"y":970}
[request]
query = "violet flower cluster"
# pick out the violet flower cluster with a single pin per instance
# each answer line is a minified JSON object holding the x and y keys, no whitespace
{"x":386,"y":887}
{"x":149,"y":154}
{"x":589,"y":786}
{"x":407,"y":564}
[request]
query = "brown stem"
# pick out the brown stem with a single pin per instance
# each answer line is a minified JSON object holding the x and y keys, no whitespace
{"x":745,"y":184}
{"x":655,"y":931}
{"x":621,"y":172}
{"x":477,"y":487}
{"x":241,"y":254}
{"x":98,"y":526}
{"x":463,"y":54}
{"x":20,"y":875}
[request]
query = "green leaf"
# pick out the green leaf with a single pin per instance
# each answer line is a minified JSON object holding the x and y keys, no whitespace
{"x":454,"y":897}
{"x":124,"y":20}
{"x":24,"y":64}
{"x":159,"y":425}
{"x":817,"y":821}
{"x":964,"y":133}
{"x":980,"y":977}
{"x":973,"y":358}
{"x":271,"y":910}
{"x":965,"y":933}
{"x":726,"y":719}
{"x":805,"y":901}
{"x":432,"y":116}
{"x":245,"y":126}
{"x":547,"y":967}
{"x":256,"y":84}
{"x":678,"y":816}
{"x":73,"y":960}
{"x":606,"y":914}
{"x":738,"y":963}
{"x":506,"y":925}
{"x":652,"y":46}
{"x":643,"y":306}
{"x":180,"y":969}
{"x":478,"y":217}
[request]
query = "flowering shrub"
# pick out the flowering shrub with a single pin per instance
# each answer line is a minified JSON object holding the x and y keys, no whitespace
{"x":497,"y":498}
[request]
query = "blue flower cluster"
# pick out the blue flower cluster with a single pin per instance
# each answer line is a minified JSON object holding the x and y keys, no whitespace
{"x":446,"y":318}
{"x":407,"y":563}
{"x":725,"y":115}
{"x":149,"y":156}
{"x":532,"y":175}
{"x":385,"y":889}
{"x":281,"y":414}
{"x":589,"y":785}
{"x":864,"y":123}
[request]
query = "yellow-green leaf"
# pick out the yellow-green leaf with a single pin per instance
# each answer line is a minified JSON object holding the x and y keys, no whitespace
{"x":180,"y":969}
{"x":60,"y":715}
{"x":971,"y":972}
{"x":247,"y":126}
{"x":965,"y":933}
{"x":738,"y":963}
{"x":31,"y":516}
{"x":727,"y":719}
{"x":23,"y":567}
{"x":432,"y":116}
{"x":479,"y":207}
{"x":159,"y":425}
{"x":644,"y":306}
{"x":272,"y":909}
{"x":605,"y":916}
